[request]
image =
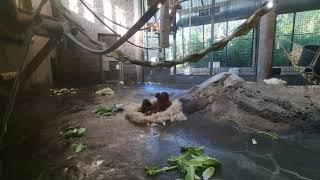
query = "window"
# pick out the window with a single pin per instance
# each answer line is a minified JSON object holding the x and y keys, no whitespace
{"x":87,"y":14}
{"x":107,"y":12}
{"x":307,"y":28}
{"x":239,"y":50}
{"x":204,"y":12}
{"x":216,"y":10}
{"x":302,"y":28}
{"x":283,"y":37}
{"x":73,"y":6}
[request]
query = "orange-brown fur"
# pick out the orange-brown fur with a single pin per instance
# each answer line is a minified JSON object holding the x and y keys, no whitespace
{"x":161,"y":104}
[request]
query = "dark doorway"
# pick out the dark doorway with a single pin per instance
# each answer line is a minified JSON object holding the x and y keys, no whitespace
{"x":111,"y":69}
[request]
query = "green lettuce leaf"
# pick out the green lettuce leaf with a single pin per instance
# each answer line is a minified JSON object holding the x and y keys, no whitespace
{"x":208,"y":173}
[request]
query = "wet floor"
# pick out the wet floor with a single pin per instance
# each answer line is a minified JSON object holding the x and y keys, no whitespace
{"x":269,"y":159}
{"x":118,"y":149}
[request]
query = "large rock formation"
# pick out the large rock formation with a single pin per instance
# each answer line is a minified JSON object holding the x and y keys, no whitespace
{"x":227,"y":97}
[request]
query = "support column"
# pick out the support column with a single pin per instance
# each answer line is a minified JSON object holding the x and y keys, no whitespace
{"x":138,"y":38}
{"x":173,"y":70}
{"x":213,"y":6}
{"x":266,"y":43}
{"x":164,"y":25}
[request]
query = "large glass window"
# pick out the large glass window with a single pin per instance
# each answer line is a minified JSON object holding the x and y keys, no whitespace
{"x":302,"y":28}
{"x":179,"y":43}
{"x":238,"y":53}
{"x":239,"y":50}
{"x":87,"y":14}
{"x":283,"y":38}
{"x":193,"y":41}
{"x":219,"y":32}
{"x":307,"y":28}
{"x":169,"y":50}
{"x":74,"y":6}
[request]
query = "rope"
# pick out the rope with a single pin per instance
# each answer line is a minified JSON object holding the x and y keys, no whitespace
{"x":113,"y":31}
{"x":242,"y":30}
{"x":113,"y":22}
{"x":17,"y":81}
{"x":309,"y":75}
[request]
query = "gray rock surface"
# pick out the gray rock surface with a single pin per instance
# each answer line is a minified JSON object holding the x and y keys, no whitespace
{"x":269,"y":107}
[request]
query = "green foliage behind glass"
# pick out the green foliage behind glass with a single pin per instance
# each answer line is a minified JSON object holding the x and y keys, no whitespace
{"x":304,"y":30}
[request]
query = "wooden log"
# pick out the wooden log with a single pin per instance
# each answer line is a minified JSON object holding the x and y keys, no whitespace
{"x":164,"y":25}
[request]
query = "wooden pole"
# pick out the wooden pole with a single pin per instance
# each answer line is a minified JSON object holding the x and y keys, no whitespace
{"x":164,"y":25}
{"x":38,"y":59}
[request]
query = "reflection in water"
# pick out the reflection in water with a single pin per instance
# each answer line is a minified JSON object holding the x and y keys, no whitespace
{"x":241,"y":160}
{"x":251,"y":163}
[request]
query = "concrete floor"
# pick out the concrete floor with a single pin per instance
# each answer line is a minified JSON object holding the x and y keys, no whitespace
{"x":118,"y":149}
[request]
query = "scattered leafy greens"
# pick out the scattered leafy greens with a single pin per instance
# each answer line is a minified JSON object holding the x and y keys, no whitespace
{"x":103,"y":111}
{"x":153,"y":170}
{"x":76,"y":133}
{"x":63,"y":91}
{"x":272,"y":135}
{"x":191,"y":162}
{"x":208,"y":173}
{"x":78,"y":147}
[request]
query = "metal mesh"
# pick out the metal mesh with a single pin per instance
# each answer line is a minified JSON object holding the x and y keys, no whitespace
{"x":302,"y":28}
{"x":284,"y":30}
{"x":239,"y":50}
{"x":191,"y":39}
{"x":307,"y":28}
{"x":212,"y":20}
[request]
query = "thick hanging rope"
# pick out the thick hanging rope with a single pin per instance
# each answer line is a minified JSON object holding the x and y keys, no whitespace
{"x":17,"y":82}
{"x":108,"y":19}
{"x":141,"y":22}
{"x":113,"y":31}
{"x":242,"y":30}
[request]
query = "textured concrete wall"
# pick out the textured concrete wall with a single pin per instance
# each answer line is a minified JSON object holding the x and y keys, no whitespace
{"x":43,"y":75}
{"x":125,"y":12}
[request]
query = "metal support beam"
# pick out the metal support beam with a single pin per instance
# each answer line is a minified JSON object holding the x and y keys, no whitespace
{"x":293,"y":29}
{"x":138,"y":39}
{"x":174,"y":52}
{"x":213,"y":4}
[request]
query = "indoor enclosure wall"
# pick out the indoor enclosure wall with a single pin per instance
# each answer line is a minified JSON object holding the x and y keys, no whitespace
{"x":78,"y":65}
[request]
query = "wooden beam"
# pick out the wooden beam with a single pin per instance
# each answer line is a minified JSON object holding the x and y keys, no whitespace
{"x":47,"y":27}
{"x":38,"y":59}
